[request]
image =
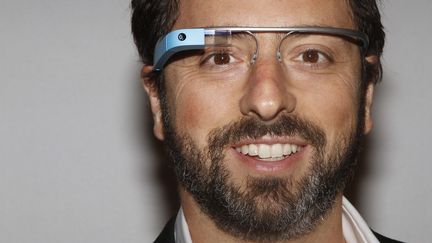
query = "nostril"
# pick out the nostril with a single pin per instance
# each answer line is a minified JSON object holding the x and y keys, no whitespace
{"x":269,"y":112}
{"x":267,"y":107}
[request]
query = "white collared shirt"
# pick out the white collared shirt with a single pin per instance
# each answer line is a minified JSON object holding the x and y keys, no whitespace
{"x":355,"y":229}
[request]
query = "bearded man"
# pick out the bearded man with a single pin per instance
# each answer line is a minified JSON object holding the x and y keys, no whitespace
{"x":262,"y":106}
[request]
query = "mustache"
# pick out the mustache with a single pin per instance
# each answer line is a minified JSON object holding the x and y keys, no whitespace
{"x":253,"y":128}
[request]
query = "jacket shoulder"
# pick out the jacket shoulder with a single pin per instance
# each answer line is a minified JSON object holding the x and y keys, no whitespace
{"x":384,"y":239}
{"x":167,"y":234}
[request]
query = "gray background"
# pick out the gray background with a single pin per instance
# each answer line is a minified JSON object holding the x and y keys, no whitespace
{"x":78,"y":162}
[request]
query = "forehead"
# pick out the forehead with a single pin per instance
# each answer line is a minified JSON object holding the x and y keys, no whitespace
{"x":264,"y":13}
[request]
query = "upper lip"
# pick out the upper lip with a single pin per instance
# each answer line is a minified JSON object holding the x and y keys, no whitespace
{"x":267,"y":139}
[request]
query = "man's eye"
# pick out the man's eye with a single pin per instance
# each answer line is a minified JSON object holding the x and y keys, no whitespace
{"x":221,"y":58}
{"x":314,"y":57}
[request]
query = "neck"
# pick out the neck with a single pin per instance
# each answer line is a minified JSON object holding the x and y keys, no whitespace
{"x":203,"y":229}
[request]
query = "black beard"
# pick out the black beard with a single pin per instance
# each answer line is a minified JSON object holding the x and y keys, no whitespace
{"x":266,"y":209}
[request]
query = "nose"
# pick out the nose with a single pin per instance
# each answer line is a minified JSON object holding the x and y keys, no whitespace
{"x":267,"y":92}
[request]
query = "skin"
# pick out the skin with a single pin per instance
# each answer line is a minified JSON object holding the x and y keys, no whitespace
{"x":197,"y":107}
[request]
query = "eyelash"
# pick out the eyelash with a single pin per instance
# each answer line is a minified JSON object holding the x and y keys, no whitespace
{"x":314,"y":65}
{"x":211,"y":54}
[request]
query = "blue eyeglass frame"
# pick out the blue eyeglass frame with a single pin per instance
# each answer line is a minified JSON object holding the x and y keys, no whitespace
{"x":194,"y":39}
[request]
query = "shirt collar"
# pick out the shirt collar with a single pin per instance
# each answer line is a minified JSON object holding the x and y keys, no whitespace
{"x":181,"y":229}
{"x":355,"y":229}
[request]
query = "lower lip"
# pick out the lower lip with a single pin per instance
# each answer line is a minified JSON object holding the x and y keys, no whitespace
{"x":271,"y":166}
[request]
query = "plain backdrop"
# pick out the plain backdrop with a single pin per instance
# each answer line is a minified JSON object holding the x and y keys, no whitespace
{"x":78,"y":162}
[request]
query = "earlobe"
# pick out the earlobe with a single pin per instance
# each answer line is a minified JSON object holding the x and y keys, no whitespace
{"x":151,"y":90}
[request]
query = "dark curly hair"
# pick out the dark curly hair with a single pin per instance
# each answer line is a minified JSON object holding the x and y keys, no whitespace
{"x":151,"y":19}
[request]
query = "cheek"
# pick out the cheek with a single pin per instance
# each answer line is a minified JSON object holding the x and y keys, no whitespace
{"x":198,"y":113}
{"x":192,"y":111}
{"x":341,"y":114}
{"x":334,"y":107}
{"x":198,"y":108}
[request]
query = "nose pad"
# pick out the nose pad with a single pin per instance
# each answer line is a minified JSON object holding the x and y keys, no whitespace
{"x":267,"y":92}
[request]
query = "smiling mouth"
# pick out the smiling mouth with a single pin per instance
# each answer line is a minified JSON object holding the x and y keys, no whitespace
{"x":269,"y":152}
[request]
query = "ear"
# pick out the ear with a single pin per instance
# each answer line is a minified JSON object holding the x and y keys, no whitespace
{"x":373,"y":59}
{"x":149,"y":87}
{"x":368,"y":108}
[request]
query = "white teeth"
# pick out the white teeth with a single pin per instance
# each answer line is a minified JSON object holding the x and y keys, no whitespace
{"x":266,"y":151}
{"x":294,"y":148}
{"x":287,"y":149}
{"x":253,"y":150}
{"x":245,"y":149}
{"x":276,"y":150}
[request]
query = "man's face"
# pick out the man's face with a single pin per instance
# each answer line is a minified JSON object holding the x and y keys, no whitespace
{"x":214,"y":127}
